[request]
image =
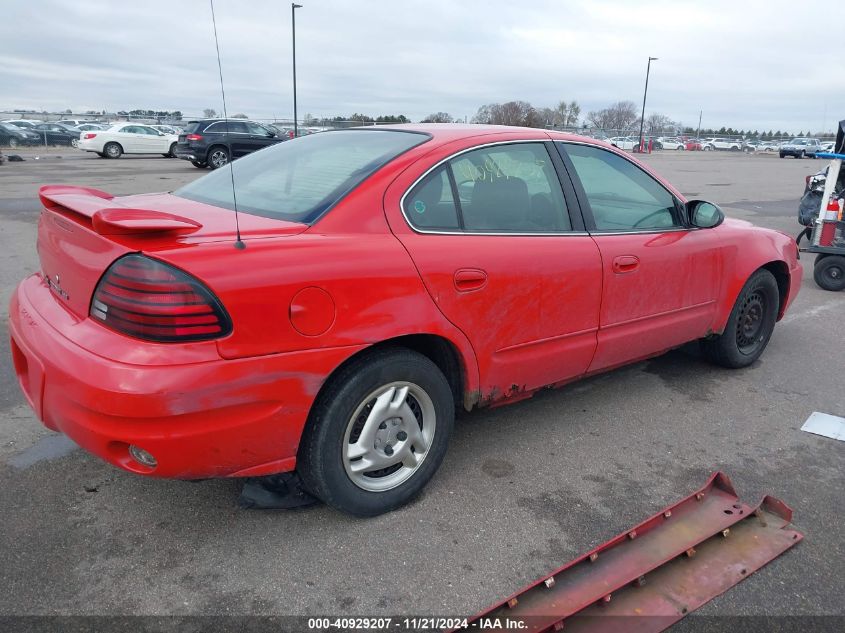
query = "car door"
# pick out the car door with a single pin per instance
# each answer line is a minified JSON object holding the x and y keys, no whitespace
{"x":259,"y":137}
{"x":501,"y":249}
{"x":660,"y":276}
{"x":130,"y":139}
{"x":153,"y":141}
{"x":240,"y":141}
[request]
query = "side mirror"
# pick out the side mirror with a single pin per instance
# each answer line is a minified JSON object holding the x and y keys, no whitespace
{"x":704,"y":215}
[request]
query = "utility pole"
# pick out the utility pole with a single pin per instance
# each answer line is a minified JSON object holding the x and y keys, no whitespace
{"x":645,"y":94}
{"x":698,"y":131}
{"x":293,"y":8}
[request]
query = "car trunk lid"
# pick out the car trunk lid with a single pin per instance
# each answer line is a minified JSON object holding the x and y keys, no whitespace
{"x":82,"y":231}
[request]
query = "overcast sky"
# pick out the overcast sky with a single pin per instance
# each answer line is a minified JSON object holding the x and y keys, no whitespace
{"x":746,"y":64}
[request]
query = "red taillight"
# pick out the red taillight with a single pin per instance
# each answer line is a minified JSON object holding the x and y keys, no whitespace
{"x":151,"y":300}
{"x":89,"y":135}
{"x":194,"y":137}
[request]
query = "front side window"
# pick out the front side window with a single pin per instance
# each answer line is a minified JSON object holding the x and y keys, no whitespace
{"x":622,"y":196}
{"x":509,"y":188}
{"x":256,"y":129}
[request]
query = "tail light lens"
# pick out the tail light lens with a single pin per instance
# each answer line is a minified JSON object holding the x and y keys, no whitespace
{"x":194,"y":137}
{"x":89,"y":135}
{"x":150,"y":300}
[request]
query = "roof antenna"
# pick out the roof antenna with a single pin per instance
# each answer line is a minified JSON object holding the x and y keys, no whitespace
{"x":239,"y":244}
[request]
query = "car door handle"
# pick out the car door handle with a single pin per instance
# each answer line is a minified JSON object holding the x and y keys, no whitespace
{"x":467,"y":279}
{"x":625,"y":264}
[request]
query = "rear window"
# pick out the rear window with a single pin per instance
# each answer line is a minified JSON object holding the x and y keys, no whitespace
{"x":301,"y":179}
{"x":192,"y":127}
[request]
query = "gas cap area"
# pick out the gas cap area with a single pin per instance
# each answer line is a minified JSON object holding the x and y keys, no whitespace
{"x":312,"y":311}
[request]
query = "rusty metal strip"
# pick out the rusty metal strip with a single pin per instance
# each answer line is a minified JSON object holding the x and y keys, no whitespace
{"x":685,"y":584}
{"x":625,"y":560}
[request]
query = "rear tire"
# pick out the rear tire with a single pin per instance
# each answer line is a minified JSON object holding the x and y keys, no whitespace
{"x":172,"y":152}
{"x":13,"y":142}
{"x":829,"y":272}
{"x":112,"y":150}
{"x":800,"y":154}
{"x":218,"y":157}
{"x":391,"y":409}
{"x":750,"y":324}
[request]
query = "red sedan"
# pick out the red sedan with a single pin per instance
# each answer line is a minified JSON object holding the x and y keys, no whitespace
{"x":383,"y":278}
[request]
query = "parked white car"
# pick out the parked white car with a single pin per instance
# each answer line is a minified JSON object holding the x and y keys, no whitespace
{"x":721,"y":143}
{"x":671,"y":143}
{"x":623,"y":142}
{"x":128,"y":138}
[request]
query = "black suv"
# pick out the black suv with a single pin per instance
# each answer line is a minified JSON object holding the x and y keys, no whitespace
{"x":214,"y":142}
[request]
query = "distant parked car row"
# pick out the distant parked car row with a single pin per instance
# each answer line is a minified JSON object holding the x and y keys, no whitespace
{"x":69,"y":132}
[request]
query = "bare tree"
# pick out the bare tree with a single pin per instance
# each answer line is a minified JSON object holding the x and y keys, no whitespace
{"x":658,"y":124}
{"x":209,"y":113}
{"x":438,"y":117}
{"x":510,"y":113}
{"x":620,"y":116}
{"x":547,"y":116}
{"x":567,"y":114}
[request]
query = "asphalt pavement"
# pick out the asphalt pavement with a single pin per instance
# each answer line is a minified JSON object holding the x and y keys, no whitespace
{"x":523,"y":489}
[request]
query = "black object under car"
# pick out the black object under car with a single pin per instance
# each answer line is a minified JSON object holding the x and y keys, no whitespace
{"x":215,"y":142}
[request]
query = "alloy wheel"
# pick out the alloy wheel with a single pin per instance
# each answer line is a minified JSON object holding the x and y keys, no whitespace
{"x":389,"y":436}
{"x":218,"y":158}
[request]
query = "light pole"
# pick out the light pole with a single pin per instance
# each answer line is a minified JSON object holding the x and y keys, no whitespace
{"x":645,"y":94}
{"x":293,"y":8}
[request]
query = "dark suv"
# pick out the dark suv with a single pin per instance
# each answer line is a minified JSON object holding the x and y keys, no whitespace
{"x":214,"y":142}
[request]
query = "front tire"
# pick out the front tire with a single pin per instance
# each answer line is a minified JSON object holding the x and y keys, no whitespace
{"x":829,"y":272}
{"x":750,"y":324}
{"x":112,"y":150}
{"x":377,"y":433}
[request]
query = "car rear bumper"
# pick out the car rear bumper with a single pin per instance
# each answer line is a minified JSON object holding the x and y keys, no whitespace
{"x":190,"y":153}
{"x":214,"y":418}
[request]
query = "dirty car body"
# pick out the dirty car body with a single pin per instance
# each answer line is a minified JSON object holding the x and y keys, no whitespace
{"x":388,"y":277}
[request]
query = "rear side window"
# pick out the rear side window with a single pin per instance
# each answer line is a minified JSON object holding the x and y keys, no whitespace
{"x":431,"y":204}
{"x":299,"y":180}
{"x":509,"y":188}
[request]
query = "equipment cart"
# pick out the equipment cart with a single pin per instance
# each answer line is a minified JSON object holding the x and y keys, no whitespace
{"x":826,"y":234}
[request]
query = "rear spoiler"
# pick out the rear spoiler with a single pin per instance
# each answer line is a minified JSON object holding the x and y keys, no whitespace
{"x":110,"y":218}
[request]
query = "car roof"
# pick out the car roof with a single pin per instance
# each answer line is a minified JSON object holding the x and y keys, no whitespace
{"x":447,"y":132}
